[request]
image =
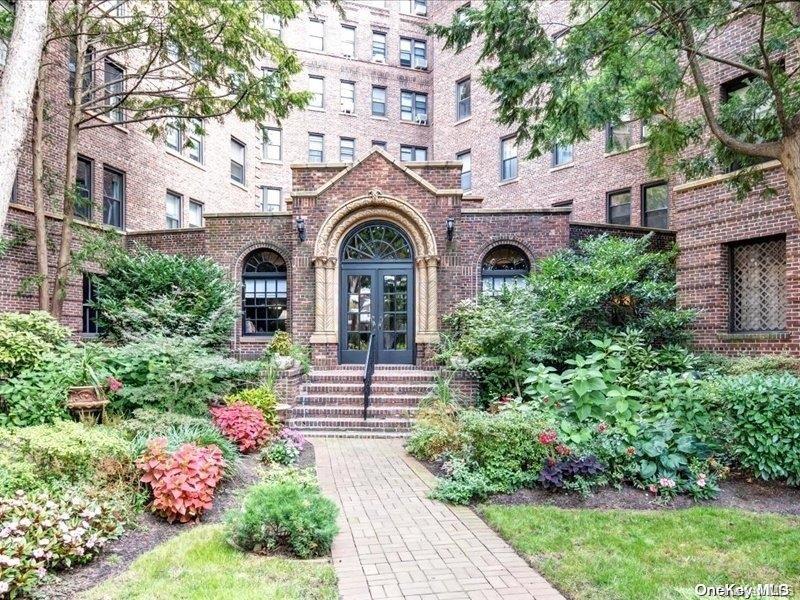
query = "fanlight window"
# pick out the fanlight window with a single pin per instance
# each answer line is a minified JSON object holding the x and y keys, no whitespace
{"x":377,"y":243}
{"x":504,"y":266}
{"x":264,"y":304}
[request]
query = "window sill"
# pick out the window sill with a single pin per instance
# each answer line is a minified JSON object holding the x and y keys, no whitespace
{"x":267,"y":161}
{"x":462,"y":121}
{"x":89,"y":336}
{"x":105,"y":119}
{"x":562,"y":167}
{"x":255,"y":337}
{"x":626,"y":150}
{"x":347,"y":114}
{"x":755,"y":336}
{"x":416,"y":124}
{"x":509,"y":181}
{"x":315,"y":109}
{"x":379,"y":118}
{"x":239,"y":185}
{"x":194,"y":163}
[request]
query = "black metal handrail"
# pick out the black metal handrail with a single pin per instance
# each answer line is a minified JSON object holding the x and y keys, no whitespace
{"x":369,"y":369}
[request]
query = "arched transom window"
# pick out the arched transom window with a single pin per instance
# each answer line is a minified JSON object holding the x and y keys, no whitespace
{"x":376,"y":242}
{"x":503,"y":266}
{"x":264,"y":306}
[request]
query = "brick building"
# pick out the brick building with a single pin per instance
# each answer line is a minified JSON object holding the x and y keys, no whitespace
{"x":399,"y":147}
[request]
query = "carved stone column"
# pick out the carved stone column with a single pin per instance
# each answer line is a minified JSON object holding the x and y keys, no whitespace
{"x":433,"y":295}
{"x":421,"y":299}
{"x":322,"y":301}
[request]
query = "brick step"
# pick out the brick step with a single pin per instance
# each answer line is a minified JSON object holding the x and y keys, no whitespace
{"x":350,"y":424}
{"x":384,"y":367}
{"x":378,"y":389}
{"x":385,"y":376}
{"x":360,"y":433}
{"x":358,"y":400}
{"x":353,"y":411}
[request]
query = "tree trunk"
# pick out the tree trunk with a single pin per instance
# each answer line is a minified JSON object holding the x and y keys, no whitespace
{"x":39,"y":207}
{"x":790,"y":160}
{"x":70,"y":170}
{"x":16,"y":90}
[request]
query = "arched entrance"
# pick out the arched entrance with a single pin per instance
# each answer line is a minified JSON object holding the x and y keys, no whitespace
{"x":376,"y":294}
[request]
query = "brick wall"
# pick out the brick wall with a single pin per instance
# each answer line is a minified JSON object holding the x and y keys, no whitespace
{"x":662,"y":239}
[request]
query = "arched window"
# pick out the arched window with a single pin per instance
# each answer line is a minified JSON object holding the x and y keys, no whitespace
{"x":376,"y":242}
{"x":264,"y":306}
{"x":503,"y":266}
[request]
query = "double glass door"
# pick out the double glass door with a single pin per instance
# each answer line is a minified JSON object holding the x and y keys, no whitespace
{"x":380,"y":300}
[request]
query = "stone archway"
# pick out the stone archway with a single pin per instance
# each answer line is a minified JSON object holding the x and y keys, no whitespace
{"x":374,"y":206}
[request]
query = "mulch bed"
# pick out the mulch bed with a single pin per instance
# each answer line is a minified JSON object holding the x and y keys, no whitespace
{"x":151,"y":531}
{"x":735,"y":492}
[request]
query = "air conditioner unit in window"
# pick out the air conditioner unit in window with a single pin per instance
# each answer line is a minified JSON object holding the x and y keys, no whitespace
{"x":421,"y":10}
{"x":421,"y":63}
{"x":421,"y":119}
{"x":347,"y":108}
{"x":379,"y":58}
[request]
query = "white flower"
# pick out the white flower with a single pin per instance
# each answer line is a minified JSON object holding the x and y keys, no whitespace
{"x":25,"y":522}
{"x":44,"y":542}
{"x":701,"y":482}
{"x":38,"y":553}
{"x":4,"y":587}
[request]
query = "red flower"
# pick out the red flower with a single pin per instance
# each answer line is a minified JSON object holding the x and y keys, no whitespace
{"x":630,"y":451}
{"x":548,"y":437}
{"x":114,"y":384}
{"x":601,"y":427}
{"x":563,"y":450}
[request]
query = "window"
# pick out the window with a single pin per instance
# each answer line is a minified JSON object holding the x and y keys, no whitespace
{"x":504,"y":266}
{"x":264,"y":301}
{"x":463,"y":99}
{"x":347,"y":149}
{"x":316,"y":36}
{"x":174,"y":202}
{"x":114,"y":89}
{"x":466,"y":169}
{"x":461,"y":13}
{"x":87,"y":81}
{"x":316,"y":85}
{"x":272,"y":23}
{"x":347,"y":97}
{"x":737,"y":89}
{"x":562,"y":154}
{"x":648,"y":123}
{"x":655,"y":206}
{"x":378,"y":101}
{"x":187,"y":141}
{"x":115,"y":8}
{"x":113,"y":198}
{"x":758,"y":285}
{"x":414,"y":107}
{"x":380,"y":144}
{"x":83,"y":189}
{"x":348,"y":41}
{"x":413,"y":153}
{"x":271,"y":147}
{"x":619,"y":136}
{"x":316,"y":148}
{"x":195,"y":213}
{"x":413,"y":53}
{"x":414,"y":7}
{"x":379,"y":46}
{"x":237,"y":161}
{"x":90,"y":326}
{"x":619,"y":207}
{"x":508,"y":158}
{"x":270,"y":199}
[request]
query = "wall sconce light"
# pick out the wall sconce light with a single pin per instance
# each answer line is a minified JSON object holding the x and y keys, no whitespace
{"x":301,"y":229}
{"x":451,"y":228}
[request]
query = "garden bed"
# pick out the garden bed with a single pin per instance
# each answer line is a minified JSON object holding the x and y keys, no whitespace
{"x":152,"y":531}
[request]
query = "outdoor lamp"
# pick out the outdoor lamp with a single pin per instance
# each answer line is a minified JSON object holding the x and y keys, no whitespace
{"x":301,"y":229}
{"x":451,"y":227}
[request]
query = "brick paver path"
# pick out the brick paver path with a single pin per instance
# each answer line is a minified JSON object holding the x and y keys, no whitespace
{"x":396,"y":543}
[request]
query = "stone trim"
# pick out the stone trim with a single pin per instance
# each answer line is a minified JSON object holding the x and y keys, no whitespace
{"x":227,"y":215}
{"x":722,"y":177}
{"x":621,"y":227}
{"x":516,"y":211}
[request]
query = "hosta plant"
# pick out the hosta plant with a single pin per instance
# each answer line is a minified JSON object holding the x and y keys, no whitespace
{"x":244,"y":425}
{"x":183,"y":482}
{"x":281,"y":452}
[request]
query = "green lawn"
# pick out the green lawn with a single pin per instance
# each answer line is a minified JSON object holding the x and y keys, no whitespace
{"x":656,"y":555}
{"x":199,"y":565}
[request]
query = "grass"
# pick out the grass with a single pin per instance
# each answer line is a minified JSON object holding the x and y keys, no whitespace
{"x":200,"y":565}
{"x":651,"y":555}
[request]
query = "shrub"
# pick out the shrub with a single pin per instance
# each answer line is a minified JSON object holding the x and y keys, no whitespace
{"x":560,"y":473}
{"x":50,"y":531}
{"x":764,"y":365}
{"x":26,"y":338}
{"x":284,"y":516}
{"x":305,"y":478}
{"x":605,"y":286}
{"x":263,"y":398}
{"x":242,"y":424}
{"x":174,"y":373}
{"x":281,"y":344}
{"x":147,"y":292}
{"x":182,"y":482}
{"x":436,"y":426}
{"x":462,"y":485}
{"x":281,"y":452}
{"x":763,"y":429}
{"x":151,"y":423}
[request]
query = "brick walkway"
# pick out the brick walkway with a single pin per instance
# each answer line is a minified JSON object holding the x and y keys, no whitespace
{"x":396,"y":543}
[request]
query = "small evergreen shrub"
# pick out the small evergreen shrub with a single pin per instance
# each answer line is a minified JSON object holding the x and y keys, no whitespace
{"x":263,"y":398}
{"x":183,"y":482}
{"x":281,"y":452}
{"x":284,"y":517}
{"x":242,"y":424}
{"x":25,"y":338}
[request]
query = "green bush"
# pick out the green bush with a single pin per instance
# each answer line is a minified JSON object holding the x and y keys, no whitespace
{"x":26,"y":338}
{"x":174,"y":374}
{"x":763,"y":429}
{"x":764,"y":365}
{"x":263,"y":398}
{"x":147,"y":292}
{"x":280,"y":452}
{"x":285,"y":516}
{"x":604,"y":287}
{"x":155,"y":423}
{"x":436,"y":424}
{"x":281,"y":344}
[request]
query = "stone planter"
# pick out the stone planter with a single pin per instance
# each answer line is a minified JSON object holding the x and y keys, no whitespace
{"x":87,"y":402}
{"x":284,"y":363}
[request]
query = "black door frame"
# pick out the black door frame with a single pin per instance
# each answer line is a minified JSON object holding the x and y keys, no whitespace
{"x":377,"y":270}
